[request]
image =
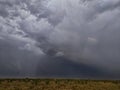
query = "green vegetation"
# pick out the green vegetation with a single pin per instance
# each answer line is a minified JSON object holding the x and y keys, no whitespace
{"x":58,"y":84}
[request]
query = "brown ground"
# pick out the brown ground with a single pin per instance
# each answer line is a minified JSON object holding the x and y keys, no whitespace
{"x":58,"y":84}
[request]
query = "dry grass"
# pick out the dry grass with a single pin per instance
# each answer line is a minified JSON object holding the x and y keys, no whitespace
{"x":58,"y":84}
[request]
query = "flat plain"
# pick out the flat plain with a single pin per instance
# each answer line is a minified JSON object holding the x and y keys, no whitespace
{"x":58,"y":84}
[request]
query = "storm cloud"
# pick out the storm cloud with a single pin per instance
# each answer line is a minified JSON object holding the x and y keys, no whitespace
{"x":63,"y":38}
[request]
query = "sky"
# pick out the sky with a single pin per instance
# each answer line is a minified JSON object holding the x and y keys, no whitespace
{"x":60,"y":38}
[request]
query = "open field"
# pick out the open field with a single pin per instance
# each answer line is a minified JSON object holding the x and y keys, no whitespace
{"x":58,"y":84}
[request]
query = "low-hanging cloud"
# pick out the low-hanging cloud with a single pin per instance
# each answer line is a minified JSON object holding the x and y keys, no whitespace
{"x":82,"y":32}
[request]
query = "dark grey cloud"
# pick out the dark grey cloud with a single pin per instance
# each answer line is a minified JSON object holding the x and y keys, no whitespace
{"x":60,"y":38}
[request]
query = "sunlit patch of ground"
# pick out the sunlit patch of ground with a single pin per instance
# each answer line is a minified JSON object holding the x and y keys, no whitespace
{"x":58,"y":84}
